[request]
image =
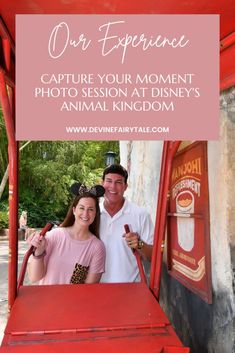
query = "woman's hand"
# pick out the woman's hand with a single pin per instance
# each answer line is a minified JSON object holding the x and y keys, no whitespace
{"x":36,"y":266}
{"x":39,"y":242}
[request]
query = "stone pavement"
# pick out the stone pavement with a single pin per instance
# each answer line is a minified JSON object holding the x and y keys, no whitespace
{"x":23,"y":246}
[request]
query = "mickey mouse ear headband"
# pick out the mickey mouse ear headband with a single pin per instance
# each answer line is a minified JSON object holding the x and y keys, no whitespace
{"x":80,"y":189}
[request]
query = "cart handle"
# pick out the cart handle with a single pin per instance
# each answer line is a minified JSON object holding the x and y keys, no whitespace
{"x":138,"y":258}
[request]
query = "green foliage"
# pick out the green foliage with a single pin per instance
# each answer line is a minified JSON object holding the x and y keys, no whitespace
{"x":47,"y":170}
{"x":3,"y":219}
{"x":4,"y":215}
{"x":40,"y":211}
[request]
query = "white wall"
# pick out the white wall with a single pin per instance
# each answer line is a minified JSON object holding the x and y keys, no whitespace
{"x":142,"y":160}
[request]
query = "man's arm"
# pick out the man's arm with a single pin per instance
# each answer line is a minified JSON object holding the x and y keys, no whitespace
{"x":146,"y":251}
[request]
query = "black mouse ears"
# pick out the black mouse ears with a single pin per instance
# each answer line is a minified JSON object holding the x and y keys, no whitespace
{"x":79,"y":189}
{"x":97,"y":190}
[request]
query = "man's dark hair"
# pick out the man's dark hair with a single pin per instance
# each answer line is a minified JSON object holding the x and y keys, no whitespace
{"x":116,"y":169}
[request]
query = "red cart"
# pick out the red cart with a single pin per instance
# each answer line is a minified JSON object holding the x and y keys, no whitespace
{"x":94,"y":318}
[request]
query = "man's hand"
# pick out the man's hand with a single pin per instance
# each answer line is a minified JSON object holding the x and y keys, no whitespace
{"x":132,"y":240}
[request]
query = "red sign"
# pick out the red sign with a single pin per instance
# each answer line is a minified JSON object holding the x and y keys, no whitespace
{"x":188,"y":226}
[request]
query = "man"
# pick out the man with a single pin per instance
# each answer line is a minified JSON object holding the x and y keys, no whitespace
{"x":116,"y":211}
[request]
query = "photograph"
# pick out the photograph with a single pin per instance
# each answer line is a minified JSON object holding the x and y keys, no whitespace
{"x":117,"y":173}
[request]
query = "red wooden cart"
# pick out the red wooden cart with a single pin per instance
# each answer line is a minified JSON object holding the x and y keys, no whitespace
{"x":113,"y":318}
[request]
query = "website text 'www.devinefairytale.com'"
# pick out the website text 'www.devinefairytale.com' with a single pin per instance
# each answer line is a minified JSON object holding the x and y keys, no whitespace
{"x":118,"y":129}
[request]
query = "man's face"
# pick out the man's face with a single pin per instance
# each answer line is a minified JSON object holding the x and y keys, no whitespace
{"x":115,"y":187}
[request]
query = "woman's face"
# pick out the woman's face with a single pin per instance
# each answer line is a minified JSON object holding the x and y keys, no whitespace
{"x":85,"y":211}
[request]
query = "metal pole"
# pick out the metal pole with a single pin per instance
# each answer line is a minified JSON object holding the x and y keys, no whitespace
{"x":13,"y":188}
{"x":169,"y":150}
{"x":156,"y":253}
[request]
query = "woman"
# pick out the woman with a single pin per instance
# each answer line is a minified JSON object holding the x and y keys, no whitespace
{"x":73,"y":252}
